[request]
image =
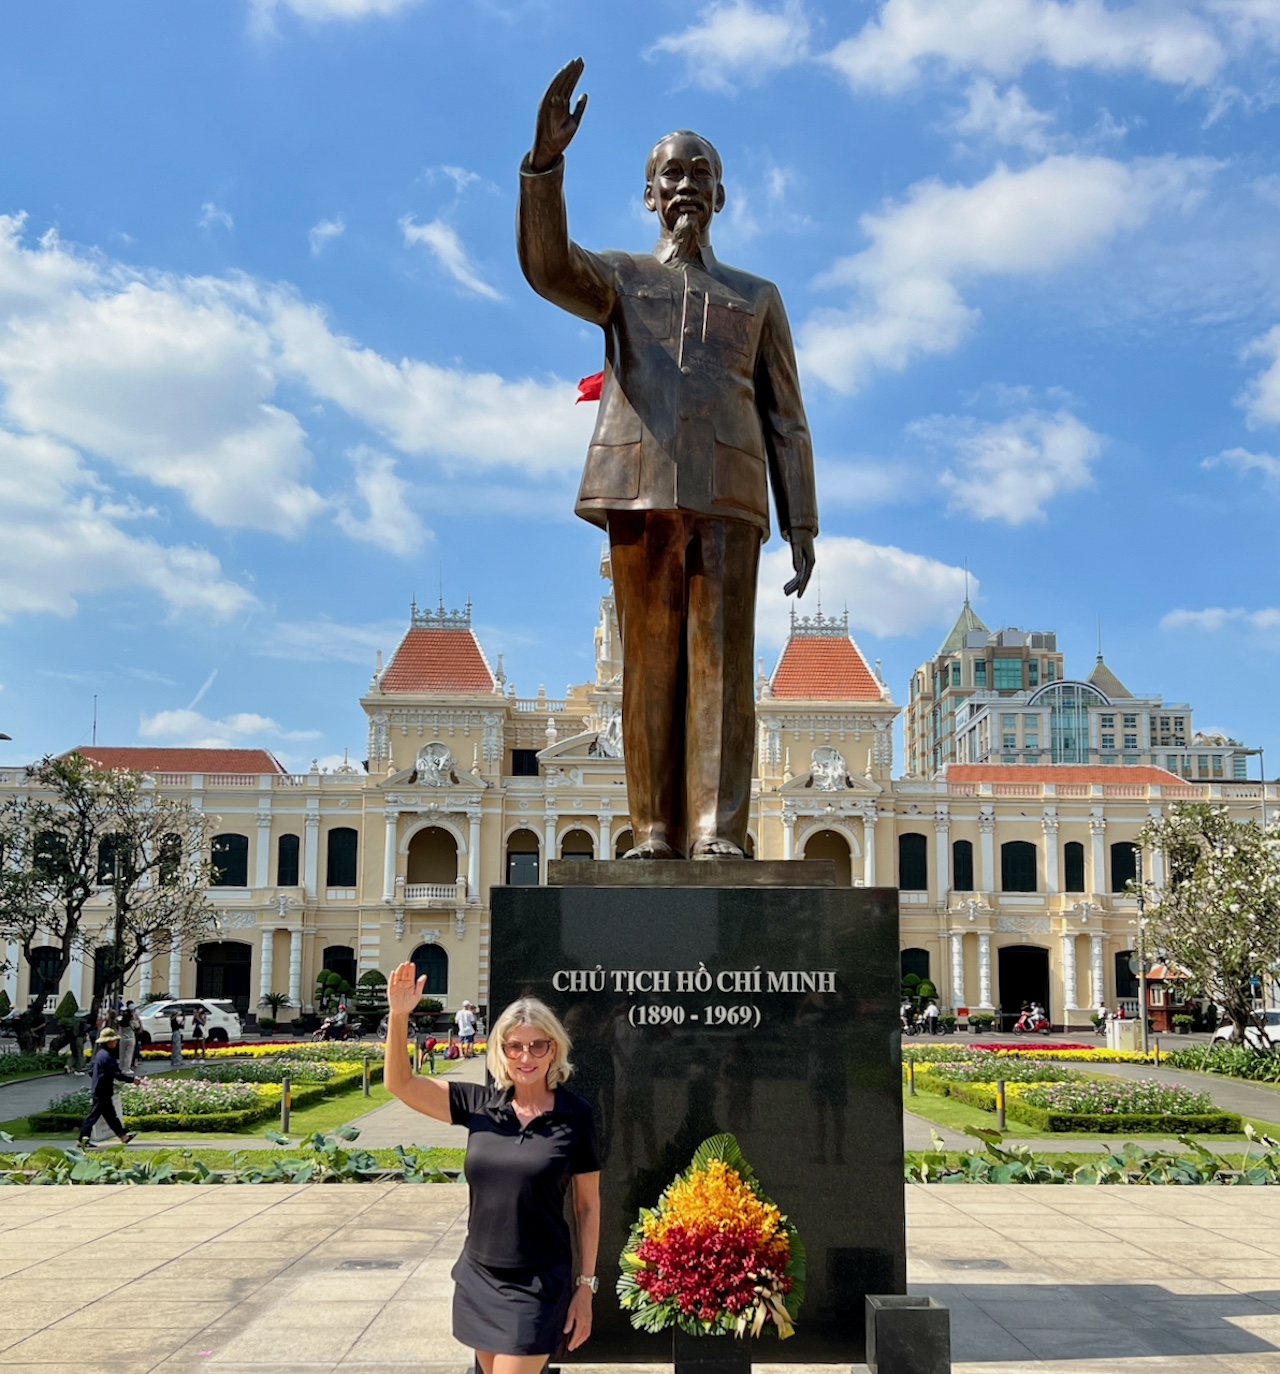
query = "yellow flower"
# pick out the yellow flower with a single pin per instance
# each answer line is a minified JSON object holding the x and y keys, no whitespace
{"x":717,"y":1197}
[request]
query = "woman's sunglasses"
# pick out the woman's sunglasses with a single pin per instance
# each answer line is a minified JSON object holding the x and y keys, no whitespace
{"x":539,"y":1049}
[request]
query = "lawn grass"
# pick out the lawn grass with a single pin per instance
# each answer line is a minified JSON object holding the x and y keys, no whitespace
{"x":946,"y":1111}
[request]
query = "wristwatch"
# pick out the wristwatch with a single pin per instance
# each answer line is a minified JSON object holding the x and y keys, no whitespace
{"x":590,"y":1281}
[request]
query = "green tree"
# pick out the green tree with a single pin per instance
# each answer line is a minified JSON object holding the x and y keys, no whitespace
{"x":1218,"y":913}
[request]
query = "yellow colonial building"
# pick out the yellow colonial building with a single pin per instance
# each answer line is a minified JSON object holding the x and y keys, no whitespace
{"x":1012,"y":874}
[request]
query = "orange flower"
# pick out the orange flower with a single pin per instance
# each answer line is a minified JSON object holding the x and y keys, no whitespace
{"x":716,"y":1198}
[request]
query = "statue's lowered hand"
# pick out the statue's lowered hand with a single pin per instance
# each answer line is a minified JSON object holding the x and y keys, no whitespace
{"x":802,"y":560}
{"x":557,"y":123}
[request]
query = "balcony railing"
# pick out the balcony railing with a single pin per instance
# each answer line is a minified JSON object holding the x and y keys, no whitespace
{"x":436,"y":892}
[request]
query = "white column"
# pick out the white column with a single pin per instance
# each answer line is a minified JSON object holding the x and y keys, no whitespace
{"x":1069,"y":970}
{"x":75,"y":974}
{"x":175,"y":970}
{"x":266,"y":963}
{"x":389,"y":854}
{"x":987,"y":848}
{"x":788,"y":834}
{"x":606,"y":835}
{"x":941,"y":830}
{"x":984,"y":970}
{"x":1098,"y":990}
{"x":869,"y":838}
{"x":957,"y":970}
{"x":144,"y":979}
{"x":1051,"y":883}
{"x":262,"y":875}
{"x":548,"y":846}
{"x":295,"y":967}
{"x":1097,"y":879}
{"x":11,"y":956}
{"x":473,"y":855}
{"x":311,"y":866}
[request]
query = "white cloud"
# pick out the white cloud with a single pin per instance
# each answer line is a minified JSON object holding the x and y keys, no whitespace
{"x":325,"y":10}
{"x":1004,"y":37}
{"x":1028,"y":223}
{"x":323,"y":233}
{"x":1215,"y":618}
{"x":1245,"y":462}
{"x":63,"y":540}
{"x":442,"y":242}
{"x":888,"y":590}
{"x":739,"y":39}
{"x":323,"y":641}
{"x":197,"y":731}
{"x":210,"y":215}
{"x":391,"y":522}
{"x":1261,"y":398}
{"x":1010,"y":119}
{"x":461,"y":177}
{"x":1010,"y":470}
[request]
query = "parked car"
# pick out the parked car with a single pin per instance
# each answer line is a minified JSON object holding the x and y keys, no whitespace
{"x":1264,"y":1037}
{"x":223,"y":1023}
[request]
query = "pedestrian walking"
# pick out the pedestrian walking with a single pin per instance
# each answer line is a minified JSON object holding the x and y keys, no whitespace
{"x":931,"y":1015}
{"x":176,"y":1024}
{"x":130,"y":1025}
{"x":105,"y":1073}
{"x":531,"y":1143}
{"x":198,"y":1019}
{"x":465,"y":1021}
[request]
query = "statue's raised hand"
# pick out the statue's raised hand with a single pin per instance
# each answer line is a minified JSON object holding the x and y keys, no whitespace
{"x":557,"y":123}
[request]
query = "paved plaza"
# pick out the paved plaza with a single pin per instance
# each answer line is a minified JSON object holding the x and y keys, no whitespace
{"x":355,"y":1279}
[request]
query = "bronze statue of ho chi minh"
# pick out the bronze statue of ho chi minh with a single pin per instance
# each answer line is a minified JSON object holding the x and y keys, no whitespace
{"x":700,"y":413}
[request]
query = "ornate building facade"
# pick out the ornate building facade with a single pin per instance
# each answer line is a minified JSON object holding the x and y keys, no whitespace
{"x":1012,"y":877}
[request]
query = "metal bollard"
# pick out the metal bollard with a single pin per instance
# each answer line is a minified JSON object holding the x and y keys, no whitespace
{"x":911,"y":1078}
{"x":286,"y":1102}
{"x":364,"y":1082}
{"x":1000,"y":1104}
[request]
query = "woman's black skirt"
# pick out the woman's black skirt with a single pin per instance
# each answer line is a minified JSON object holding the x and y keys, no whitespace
{"x":510,"y":1311}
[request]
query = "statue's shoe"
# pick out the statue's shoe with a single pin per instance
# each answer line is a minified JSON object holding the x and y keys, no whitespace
{"x":716,"y":849}
{"x":652,"y":849}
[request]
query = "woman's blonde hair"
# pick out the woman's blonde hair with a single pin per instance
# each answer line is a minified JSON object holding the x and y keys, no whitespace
{"x":529,"y":1011}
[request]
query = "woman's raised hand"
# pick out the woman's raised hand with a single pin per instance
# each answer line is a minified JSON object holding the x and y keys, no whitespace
{"x":405,"y":989}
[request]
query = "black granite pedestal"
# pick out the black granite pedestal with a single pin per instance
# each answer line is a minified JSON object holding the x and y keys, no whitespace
{"x":769,"y":1012}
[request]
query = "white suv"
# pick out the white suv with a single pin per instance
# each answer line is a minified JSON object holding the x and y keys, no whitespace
{"x":1265,"y":1037}
{"x":222,"y":1025}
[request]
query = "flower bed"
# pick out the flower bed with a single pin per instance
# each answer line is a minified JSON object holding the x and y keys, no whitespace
{"x":267,"y":1071}
{"x":1120,"y":1105}
{"x":330,"y":1052}
{"x":1232,"y":1061}
{"x":199,"y":1105}
{"x":15,"y":1065}
{"x":1011,"y":1070}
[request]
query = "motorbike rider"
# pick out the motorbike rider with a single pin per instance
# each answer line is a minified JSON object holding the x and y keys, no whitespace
{"x":907,"y":1013}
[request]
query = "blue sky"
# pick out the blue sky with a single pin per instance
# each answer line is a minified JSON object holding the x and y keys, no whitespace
{"x":268,"y":366}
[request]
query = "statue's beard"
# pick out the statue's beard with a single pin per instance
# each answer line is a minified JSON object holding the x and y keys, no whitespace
{"x":686,"y":235}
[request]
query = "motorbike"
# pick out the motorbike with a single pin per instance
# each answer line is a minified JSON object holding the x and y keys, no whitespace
{"x":1026,"y":1024}
{"x":328,"y":1030}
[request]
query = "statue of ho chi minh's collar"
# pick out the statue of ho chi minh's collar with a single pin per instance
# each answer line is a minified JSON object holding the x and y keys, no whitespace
{"x":700,"y":413}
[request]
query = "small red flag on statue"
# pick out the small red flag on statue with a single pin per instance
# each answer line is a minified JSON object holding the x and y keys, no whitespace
{"x":589,"y":388}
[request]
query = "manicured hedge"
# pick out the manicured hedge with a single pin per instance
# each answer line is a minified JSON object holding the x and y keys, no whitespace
{"x":303,"y":1094}
{"x":1168,"y":1123}
{"x":14,"y":1065}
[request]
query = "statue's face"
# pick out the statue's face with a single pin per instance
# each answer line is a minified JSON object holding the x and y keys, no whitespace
{"x":684,"y":182}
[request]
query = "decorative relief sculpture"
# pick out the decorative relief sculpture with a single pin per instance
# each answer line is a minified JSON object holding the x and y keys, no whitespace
{"x":828,"y":771}
{"x":436,"y":767}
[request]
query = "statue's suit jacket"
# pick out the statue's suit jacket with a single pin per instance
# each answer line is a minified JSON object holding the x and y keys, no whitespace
{"x":701,"y":397}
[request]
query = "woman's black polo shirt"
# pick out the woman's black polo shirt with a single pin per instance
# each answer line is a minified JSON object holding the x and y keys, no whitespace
{"x":519,"y":1175}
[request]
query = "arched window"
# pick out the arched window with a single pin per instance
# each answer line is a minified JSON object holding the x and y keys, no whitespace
{"x":104,"y":969}
{"x":915,"y":961}
{"x":623,"y":841}
{"x":340,"y":870}
{"x":962,"y":866}
{"x":433,"y":857}
{"x":913,"y":862}
{"x":522,"y":859}
{"x":44,"y":972}
{"x":50,"y":861}
{"x":830,"y":844}
{"x":1073,"y":866}
{"x":340,"y":959}
{"x":288,"y":854}
{"x":170,"y":858}
{"x":1124,"y":865}
{"x":577,"y":844}
{"x":222,"y":972}
{"x":230,"y":854}
{"x":433,"y":961}
{"x":111,"y":850}
{"x":1018,"y":866}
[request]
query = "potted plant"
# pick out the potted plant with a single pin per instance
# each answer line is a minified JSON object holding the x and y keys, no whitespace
{"x":980,"y":1022}
{"x":948,"y":1024}
{"x":275,"y":1002}
{"x":1182,"y":1023}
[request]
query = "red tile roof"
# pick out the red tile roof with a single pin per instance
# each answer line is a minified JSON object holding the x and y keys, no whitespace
{"x":152,"y":760}
{"x":1058,"y":772}
{"x":824,"y":668}
{"x":449,"y":660}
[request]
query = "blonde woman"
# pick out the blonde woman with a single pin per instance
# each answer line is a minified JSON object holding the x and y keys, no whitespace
{"x":529,"y":1140}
